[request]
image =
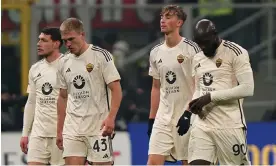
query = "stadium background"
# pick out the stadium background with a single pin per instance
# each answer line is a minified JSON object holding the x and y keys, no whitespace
{"x":128,"y":29}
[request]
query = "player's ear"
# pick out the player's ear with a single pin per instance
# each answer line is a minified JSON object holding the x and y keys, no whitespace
{"x":180,"y":23}
{"x":82,"y":34}
{"x":57,"y":44}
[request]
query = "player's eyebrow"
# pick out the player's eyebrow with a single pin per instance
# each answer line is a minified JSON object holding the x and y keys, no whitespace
{"x":42,"y":38}
{"x":70,"y":39}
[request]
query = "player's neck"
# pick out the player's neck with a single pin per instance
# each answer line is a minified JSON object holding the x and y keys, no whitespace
{"x":51,"y":58}
{"x":172,"y":39}
{"x":84,"y":48}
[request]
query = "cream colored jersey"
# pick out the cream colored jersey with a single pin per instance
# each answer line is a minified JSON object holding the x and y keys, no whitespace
{"x":43,"y":82}
{"x":173,"y":67}
{"x":219,"y":73}
{"x":86,"y":78}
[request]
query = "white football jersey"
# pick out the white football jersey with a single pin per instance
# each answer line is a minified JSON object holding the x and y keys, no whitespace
{"x":219,"y":73}
{"x":43,"y":82}
{"x":86,"y":78}
{"x":173,"y":67}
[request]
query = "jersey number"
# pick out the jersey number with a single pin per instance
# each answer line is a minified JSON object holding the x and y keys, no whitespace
{"x":238,"y":149}
{"x":96,"y":145}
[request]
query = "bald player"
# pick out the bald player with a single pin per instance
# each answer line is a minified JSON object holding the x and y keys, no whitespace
{"x":223,"y":77}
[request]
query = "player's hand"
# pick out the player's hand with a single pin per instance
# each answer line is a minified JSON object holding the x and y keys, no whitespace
{"x":184,"y":123}
{"x":150,"y":124}
{"x":196,"y":105}
{"x":108,"y":126}
{"x":59,"y":141}
{"x":24,"y":144}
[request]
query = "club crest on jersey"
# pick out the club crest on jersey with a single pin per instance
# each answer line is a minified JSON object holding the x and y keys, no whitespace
{"x":181,"y":58}
{"x":218,"y":62}
{"x":89,"y":67}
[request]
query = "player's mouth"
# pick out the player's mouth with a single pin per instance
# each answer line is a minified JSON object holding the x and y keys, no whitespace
{"x":39,"y":50}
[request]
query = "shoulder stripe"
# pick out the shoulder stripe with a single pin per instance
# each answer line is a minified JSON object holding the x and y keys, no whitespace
{"x":157,"y":46}
{"x":233,"y":47}
{"x":104,"y":52}
{"x":193,"y":44}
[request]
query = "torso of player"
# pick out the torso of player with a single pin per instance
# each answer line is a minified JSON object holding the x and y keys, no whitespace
{"x":214,"y":74}
{"x":44,"y":76}
{"x":87,"y":90}
{"x":174,"y":67}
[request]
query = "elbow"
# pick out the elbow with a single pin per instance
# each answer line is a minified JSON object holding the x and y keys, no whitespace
{"x":249,"y":90}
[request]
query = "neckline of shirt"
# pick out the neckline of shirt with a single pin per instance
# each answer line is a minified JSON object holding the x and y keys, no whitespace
{"x":84,"y":53}
{"x":171,"y":48}
{"x":220,"y":47}
{"x":53,"y":62}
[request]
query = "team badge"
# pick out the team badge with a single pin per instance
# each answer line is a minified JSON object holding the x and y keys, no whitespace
{"x":218,"y":62}
{"x":89,"y":67}
{"x":181,"y":58}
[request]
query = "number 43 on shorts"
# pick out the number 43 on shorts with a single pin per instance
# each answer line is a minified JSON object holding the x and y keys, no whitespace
{"x":100,"y":144}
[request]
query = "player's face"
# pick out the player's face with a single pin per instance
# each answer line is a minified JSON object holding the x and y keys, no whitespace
{"x":169,"y":22}
{"x":73,"y":41}
{"x":208,"y":44}
{"x":45,"y":45}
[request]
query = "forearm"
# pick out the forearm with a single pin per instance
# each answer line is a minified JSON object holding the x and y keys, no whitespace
{"x":155,"y":99}
{"x":116,"y":98}
{"x":29,"y":112}
{"x":244,"y":89}
{"x":61,"y":113}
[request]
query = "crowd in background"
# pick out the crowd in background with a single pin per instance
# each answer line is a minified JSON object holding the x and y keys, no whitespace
{"x":135,"y":80}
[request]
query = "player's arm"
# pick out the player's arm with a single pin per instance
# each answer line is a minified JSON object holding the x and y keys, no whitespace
{"x":155,"y":90}
{"x":61,"y":110}
{"x":155,"y":98}
{"x":112,"y":79}
{"x":116,"y":98}
{"x":62,"y":100}
{"x":244,"y":76}
{"x":29,"y":112}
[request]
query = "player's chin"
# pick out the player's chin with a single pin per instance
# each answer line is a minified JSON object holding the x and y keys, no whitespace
{"x":164,"y":30}
{"x":42,"y":54}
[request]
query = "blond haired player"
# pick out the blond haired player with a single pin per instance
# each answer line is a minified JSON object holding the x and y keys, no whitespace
{"x":40,"y":114}
{"x":223,"y":77}
{"x":172,"y":89}
{"x":90,"y":96}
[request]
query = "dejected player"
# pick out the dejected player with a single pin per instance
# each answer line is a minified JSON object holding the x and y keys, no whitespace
{"x":223,"y":77}
{"x":40,"y":113}
{"x":90,"y":96}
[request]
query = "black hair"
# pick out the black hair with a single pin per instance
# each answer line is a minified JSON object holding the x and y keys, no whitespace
{"x":54,"y":32}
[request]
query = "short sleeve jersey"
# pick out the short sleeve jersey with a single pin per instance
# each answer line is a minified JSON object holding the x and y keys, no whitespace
{"x":219,"y":73}
{"x":43,"y":83}
{"x":86,"y":78}
{"x":173,"y":67}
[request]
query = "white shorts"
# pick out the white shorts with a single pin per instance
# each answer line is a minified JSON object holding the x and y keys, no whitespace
{"x":94,"y":148}
{"x":227,"y":145}
{"x":166,"y":141}
{"x":44,"y":150}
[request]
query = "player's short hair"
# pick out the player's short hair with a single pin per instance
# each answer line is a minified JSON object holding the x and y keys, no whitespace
{"x":72,"y":24}
{"x":176,"y":10}
{"x":54,"y":33}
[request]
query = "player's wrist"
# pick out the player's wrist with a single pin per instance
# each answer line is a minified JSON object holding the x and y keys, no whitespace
{"x":111,"y":116}
{"x":188,"y":114}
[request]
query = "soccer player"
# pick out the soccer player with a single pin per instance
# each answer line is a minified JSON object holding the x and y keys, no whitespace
{"x":40,"y":113}
{"x":223,"y":77}
{"x":172,"y":89}
{"x":90,"y":96}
